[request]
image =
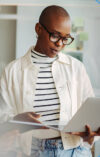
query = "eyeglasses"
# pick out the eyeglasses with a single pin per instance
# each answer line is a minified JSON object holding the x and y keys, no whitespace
{"x":54,"y":37}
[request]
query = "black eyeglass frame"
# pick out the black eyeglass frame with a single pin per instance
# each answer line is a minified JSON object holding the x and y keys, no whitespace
{"x":50,"y":34}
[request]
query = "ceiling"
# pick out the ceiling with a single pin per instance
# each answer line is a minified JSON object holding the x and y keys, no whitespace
{"x":47,"y":2}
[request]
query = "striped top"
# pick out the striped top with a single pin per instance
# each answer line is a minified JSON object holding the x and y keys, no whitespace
{"x":46,"y":100}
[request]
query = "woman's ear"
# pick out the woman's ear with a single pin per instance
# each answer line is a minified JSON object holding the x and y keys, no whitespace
{"x":38,"y":29}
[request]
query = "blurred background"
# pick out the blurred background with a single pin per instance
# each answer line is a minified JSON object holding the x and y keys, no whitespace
{"x":17,"y":23}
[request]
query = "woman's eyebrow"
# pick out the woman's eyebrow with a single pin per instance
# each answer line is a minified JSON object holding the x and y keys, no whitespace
{"x":54,"y":31}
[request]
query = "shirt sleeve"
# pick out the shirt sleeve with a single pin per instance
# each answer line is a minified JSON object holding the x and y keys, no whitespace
{"x":87,"y":87}
{"x":6,"y":109}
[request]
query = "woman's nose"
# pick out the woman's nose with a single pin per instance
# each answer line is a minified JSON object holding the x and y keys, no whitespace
{"x":59,"y":43}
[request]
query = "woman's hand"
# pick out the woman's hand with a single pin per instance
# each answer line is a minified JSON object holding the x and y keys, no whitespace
{"x":88,"y":135}
{"x":27,"y":117}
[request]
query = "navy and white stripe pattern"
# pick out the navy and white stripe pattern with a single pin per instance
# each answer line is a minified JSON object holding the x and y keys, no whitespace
{"x":46,"y":100}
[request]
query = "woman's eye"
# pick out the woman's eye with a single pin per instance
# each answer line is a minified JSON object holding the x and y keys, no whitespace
{"x":55,"y":36}
{"x":65,"y":39}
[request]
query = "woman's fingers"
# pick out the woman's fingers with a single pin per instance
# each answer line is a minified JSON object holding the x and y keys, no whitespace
{"x":32,"y":114}
{"x":88,"y":135}
{"x":81,"y":134}
{"x":28,"y":117}
{"x":34,"y":117}
{"x":88,"y":130}
{"x":98,"y":132}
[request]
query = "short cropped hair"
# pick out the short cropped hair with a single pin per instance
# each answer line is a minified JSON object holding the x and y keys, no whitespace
{"x":53,"y":9}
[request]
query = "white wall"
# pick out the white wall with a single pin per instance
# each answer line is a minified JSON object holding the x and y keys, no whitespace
{"x":7,"y":38}
{"x":91,"y":16}
{"x":26,"y":36}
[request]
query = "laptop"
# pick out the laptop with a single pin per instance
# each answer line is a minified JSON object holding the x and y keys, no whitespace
{"x":88,"y":113}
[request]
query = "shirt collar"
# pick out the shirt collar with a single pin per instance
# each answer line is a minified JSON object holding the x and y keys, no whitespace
{"x":27,"y":61}
{"x":64,"y":58}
